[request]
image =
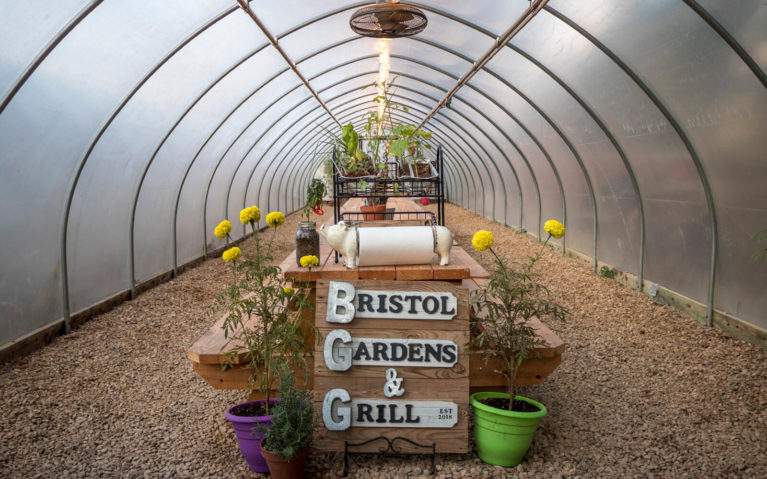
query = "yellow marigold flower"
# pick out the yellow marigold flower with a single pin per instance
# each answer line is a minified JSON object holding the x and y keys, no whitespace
{"x":249,"y":214}
{"x":309,"y":261}
{"x":231,"y":254}
{"x":287,"y":290}
{"x":223,"y":229}
{"x":482,"y":240}
{"x":275,"y":219}
{"x":554,"y":228}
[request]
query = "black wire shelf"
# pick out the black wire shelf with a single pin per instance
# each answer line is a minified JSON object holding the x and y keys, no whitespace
{"x":391,"y":184}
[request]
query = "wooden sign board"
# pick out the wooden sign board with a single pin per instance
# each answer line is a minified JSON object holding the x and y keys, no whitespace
{"x":392,"y":361}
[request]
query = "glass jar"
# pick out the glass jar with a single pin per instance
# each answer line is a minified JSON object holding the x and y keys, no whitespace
{"x":307,"y":240}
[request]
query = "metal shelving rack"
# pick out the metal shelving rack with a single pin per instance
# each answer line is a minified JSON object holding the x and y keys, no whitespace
{"x":390,"y":187}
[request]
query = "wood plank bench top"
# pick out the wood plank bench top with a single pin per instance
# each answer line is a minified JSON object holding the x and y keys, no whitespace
{"x":212,"y":345}
{"x":553,"y":346}
{"x":207,"y":353}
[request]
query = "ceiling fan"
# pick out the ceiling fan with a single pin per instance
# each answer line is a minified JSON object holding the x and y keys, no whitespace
{"x":388,"y":19}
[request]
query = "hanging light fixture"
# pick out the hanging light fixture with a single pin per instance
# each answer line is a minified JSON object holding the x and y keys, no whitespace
{"x":388,"y":19}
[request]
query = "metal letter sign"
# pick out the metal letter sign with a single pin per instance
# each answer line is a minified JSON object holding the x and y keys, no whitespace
{"x":345,"y":303}
{"x":339,"y":412}
{"x":391,"y":364}
{"x":341,"y":351}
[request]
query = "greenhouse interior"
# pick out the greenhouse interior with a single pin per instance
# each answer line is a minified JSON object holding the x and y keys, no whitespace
{"x":520,"y":238}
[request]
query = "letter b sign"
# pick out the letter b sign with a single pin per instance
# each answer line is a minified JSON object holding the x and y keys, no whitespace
{"x":340,"y":302}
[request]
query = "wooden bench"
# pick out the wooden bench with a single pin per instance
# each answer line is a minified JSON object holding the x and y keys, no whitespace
{"x":486,"y":375}
{"x":207,"y":353}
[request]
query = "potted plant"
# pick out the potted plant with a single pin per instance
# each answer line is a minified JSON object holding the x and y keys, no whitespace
{"x":375,"y":204}
{"x":352,"y":160}
{"x":263,"y":325}
{"x":286,"y":440}
{"x":307,"y":238}
{"x":408,"y":146}
{"x":504,"y":423}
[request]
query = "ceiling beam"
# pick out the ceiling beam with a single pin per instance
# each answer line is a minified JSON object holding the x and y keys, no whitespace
{"x":535,"y":7}
{"x":273,"y":40}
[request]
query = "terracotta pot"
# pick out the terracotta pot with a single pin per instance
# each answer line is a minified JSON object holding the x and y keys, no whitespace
{"x":373,"y":213}
{"x":281,"y":468}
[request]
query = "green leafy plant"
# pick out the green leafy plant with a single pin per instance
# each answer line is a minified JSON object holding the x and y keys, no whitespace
{"x":607,"y":272}
{"x":264,"y":317}
{"x":758,"y":237}
{"x":409,"y":144}
{"x":294,"y":420}
{"x":315,"y":191}
{"x":503,"y":308}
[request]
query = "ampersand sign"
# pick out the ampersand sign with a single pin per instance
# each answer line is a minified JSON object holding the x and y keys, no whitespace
{"x":393,"y":385}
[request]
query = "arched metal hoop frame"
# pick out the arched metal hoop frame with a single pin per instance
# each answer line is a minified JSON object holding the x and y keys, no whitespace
{"x":694,"y":6}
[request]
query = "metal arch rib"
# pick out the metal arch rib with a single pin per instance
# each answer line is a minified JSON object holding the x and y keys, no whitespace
{"x":254,"y":168}
{"x":173,"y":128}
{"x":361,"y":113}
{"x":202,"y":147}
{"x":682,"y":135}
{"x":489,"y":157}
{"x":292,"y":178}
{"x":524,"y":158}
{"x":259,"y":160}
{"x":223,"y":155}
{"x":181,"y":185}
{"x":242,"y":160}
{"x":47,"y":49}
{"x":290,"y":175}
{"x":470,"y":173}
{"x":73,"y":184}
{"x":722,"y":32}
{"x":348,"y":101}
{"x":569,"y":145}
{"x":238,"y":166}
{"x":616,"y":145}
{"x":183,"y":115}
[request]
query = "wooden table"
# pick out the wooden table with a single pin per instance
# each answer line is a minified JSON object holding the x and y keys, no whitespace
{"x":206,"y":353}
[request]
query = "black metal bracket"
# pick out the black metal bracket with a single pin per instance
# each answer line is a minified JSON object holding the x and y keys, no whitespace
{"x":390,"y":450}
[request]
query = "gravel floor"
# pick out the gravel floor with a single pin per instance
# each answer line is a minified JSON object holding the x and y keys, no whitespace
{"x":643,"y":391}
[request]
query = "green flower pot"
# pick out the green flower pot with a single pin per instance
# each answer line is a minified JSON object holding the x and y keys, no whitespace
{"x":502,"y":436}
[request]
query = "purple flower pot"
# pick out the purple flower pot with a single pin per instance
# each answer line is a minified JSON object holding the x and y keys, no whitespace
{"x":249,"y":440}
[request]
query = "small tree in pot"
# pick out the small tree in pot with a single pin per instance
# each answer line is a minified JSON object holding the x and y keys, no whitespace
{"x":504,"y":423}
{"x":264,"y":325}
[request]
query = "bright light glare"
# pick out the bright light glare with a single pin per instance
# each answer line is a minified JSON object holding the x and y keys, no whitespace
{"x":383,"y":77}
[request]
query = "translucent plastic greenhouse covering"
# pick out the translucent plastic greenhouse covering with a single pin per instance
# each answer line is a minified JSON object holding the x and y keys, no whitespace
{"x":130,"y":128}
